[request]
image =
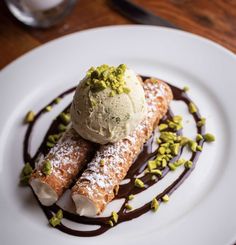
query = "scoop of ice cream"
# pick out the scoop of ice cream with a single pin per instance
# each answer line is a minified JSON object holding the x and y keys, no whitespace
{"x":108,"y":104}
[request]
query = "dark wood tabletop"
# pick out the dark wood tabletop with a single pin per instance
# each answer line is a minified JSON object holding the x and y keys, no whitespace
{"x":215,"y":19}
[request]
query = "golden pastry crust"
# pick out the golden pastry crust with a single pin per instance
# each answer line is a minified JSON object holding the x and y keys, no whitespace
{"x":99,"y":181}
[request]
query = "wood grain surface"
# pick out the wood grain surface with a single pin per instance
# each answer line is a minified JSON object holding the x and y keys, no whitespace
{"x":215,"y":19}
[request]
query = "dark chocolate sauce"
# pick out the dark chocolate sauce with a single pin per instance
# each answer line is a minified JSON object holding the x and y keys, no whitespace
{"x":126,"y":189}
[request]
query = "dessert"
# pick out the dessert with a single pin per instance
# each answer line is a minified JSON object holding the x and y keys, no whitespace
{"x":130,"y":155}
{"x":96,"y":186}
{"x":54,"y":173}
{"x":108,"y":104}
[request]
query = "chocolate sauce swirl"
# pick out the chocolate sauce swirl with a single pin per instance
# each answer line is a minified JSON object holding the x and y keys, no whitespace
{"x":126,"y":189}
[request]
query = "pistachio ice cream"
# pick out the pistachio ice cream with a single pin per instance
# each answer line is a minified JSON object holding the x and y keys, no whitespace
{"x":108,"y":104}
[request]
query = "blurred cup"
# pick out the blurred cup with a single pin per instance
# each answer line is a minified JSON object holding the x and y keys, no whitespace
{"x":40,"y":13}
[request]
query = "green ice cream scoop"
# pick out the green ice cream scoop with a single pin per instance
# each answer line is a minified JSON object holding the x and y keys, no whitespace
{"x":108,"y":104}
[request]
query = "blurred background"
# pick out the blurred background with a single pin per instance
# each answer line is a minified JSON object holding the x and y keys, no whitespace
{"x":49,"y":19}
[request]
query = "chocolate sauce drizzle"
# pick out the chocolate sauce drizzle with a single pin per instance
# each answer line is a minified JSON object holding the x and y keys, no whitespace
{"x":126,"y":189}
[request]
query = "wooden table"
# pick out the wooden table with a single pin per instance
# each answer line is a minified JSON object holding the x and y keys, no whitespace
{"x":215,"y":19}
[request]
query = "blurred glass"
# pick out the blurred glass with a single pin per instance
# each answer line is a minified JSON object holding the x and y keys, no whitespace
{"x":40,"y":13}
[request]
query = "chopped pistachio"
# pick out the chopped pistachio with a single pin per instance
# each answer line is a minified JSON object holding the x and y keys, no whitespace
{"x":162,"y":150}
{"x":48,"y":108}
{"x":102,"y":162}
{"x":192,"y":108}
{"x":172,"y":166}
{"x":153,"y":178}
{"x":159,"y":141}
{"x":59,"y":214}
{"x":56,"y":219}
{"x":177,"y":119}
{"x":184,"y":141}
{"x":188,"y":164}
{"x":163,"y":163}
{"x":26,"y":173}
{"x":139,"y":183}
{"x":179,"y":162}
{"x":199,"y":137}
{"x":62,"y":127}
{"x":192,"y":145}
{"x":57,"y":100}
{"x":163,"y":126}
{"x":29,"y":117}
{"x":154,"y":204}
{"x":186,"y":89}
{"x":114,"y":217}
{"x":65,"y":118}
{"x":175,"y":148}
{"x":209,"y":137}
{"x":105,"y":76}
{"x":110,"y":223}
{"x":128,"y":206}
{"x":53,"y":138}
{"x":199,"y":148}
{"x":156,"y":172}
{"x":201,"y":122}
{"x":151,"y":165}
{"x":131,"y":197}
{"x":47,"y":167}
{"x":168,"y":136}
{"x":165,"y":198}
{"x":49,"y":144}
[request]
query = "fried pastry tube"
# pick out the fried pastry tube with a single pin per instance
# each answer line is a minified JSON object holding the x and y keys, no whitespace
{"x":96,"y":186}
{"x":63,"y":162}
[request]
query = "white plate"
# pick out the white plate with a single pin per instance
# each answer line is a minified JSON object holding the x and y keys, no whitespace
{"x":202,"y":210}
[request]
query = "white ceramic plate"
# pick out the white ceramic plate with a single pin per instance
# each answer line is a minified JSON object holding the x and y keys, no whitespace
{"x":202,"y":210}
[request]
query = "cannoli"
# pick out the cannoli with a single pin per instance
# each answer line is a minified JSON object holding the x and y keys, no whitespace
{"x":54,"y":173}
{"x":97,"y":185}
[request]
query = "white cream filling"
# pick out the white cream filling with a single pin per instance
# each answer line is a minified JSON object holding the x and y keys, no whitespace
{"x":46,"y":195}
{"x":84,"y":206}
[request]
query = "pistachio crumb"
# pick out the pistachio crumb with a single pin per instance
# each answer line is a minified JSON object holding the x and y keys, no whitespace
{"x":201,"y":122}
{"x":209,"y":137}
{"x":139,"y":183}
{"x":110,"y":223}
{"x":56,"y":219}
{"x":116,"y":189}
{"x":163,"y":126}
{"x":57,"y":100}
{"x":151,"y":165}
{"x":102,"y":162}
{"x":199,"y":137}
{"x":62,"y":127}
{"x":131,"y":197}
{"x":199,"y":148}
{"x":154,"y":204}
{"x":156,"y":172}
{"x":114,"y":217}
{"x":65,"y":117}
{"x":47,"y":167}
{"x":154,"y":177}
{"x":172,"y":166}
{"x":165,"y":198}
{"x":128,"y":206}
{"x":49,"y":144}
{"x":188,"y":164}
{"x":48,"y":108}
{"x":192,"y":145}
{"x":185,"y":89}
{"x":192,"y":107}
{"x":29,"y":117}
{"x":25,"y":174}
